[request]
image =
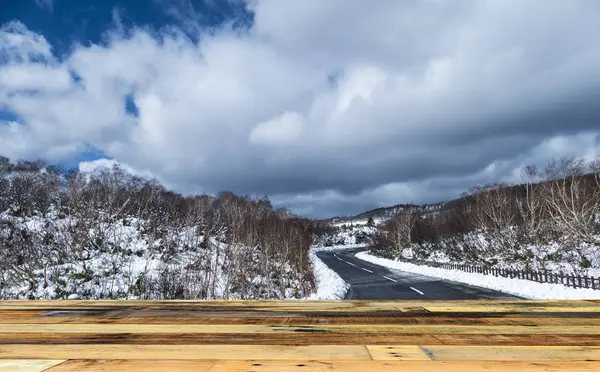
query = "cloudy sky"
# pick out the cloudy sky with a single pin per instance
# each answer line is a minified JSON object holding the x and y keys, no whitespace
{"x":330,"y":107}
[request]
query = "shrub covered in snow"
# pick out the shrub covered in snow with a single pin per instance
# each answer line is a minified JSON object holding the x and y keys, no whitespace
{"x":549,"y":222}
{"x":347,"y":233}
{"x":109,"y":234}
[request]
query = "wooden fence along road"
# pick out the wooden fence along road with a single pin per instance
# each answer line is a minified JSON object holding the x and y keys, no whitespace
{"x":545,"y":276}
{"x":466,"y":336}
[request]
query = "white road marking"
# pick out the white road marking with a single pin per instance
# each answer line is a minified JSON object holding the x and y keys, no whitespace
{"x":339,"y":258}
{"x":350,"y":263}
{"x":395,"y":281}
{"x":416,"y":290}
{"x":367,"y":270}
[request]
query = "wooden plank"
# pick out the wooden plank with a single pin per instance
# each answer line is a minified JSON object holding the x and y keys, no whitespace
{"x":400,"y":352}
{"x":289,"y":306}
{"x":266,"y":329}
{"x":197,"y":317}
{"x":307,"y":306}
{"x":303,"y":339}
{"x":479,"y":366}
{"x":225,"y":352}
{"x":175,"y":318}
{"x":482,"y":306}
{"x":517,"y":340}
{"x":224,"y":312}
{"x":539,"y":321}
{"x":134,"y":365}
{"x":25,"y":365}
{"x":317,"y":335}
{"x":316,"y":365}
{"x":497,"y":353}
{"x":238,"y":339}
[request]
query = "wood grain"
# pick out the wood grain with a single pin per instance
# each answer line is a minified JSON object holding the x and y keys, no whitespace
{"x":311,"y":366}
{"x":266,"y":329}
{"x":225,"y":352}
{"x":299,"y":335}
{"x":134,"y":365}
{"x":509,"y":353}
{"x":25,"y":365}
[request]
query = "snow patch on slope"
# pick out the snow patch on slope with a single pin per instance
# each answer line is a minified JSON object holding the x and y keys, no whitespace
{"x":330,"y":286}
{"x":340,"y":247}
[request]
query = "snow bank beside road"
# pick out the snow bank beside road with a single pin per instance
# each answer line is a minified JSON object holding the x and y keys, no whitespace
{"x":518,"y":287}
{"x":339,"y":247}
{"x":330,"y":286}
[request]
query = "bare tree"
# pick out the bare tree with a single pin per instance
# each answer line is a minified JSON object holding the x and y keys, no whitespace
{"x":573,"y":198}
{"x":533,"y":206}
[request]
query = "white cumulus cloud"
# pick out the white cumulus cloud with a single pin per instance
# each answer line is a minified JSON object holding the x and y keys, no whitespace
{"x":342,"y":105}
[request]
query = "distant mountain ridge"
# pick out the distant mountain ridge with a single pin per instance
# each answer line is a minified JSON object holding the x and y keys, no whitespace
{"x":387,"y":212}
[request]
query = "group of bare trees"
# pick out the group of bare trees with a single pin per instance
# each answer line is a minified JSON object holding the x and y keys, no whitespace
{"x":109,"y":234}
{"x":558,"y":205}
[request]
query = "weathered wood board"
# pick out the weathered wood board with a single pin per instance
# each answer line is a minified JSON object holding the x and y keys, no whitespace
{"x":361,"y":336}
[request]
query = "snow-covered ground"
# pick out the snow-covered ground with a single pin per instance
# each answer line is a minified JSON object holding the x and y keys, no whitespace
{"x":124,"y":262}
{"x":330,"y":286}
{"x":519,"y":287}
{"x":551,"y":256}
{"x":360,"y":223}
{"x":339,"y":247}
{"x":347,"y":233}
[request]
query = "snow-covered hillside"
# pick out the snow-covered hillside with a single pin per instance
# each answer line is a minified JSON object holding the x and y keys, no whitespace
{"x":550,"y":222}
{"x":349,"y":233}
{"x":123,"y":261}
{"x":583,"y":259}
{"x":109,"y":234}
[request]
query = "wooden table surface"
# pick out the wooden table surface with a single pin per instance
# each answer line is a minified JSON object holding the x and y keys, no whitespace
{"x":363,"y":336}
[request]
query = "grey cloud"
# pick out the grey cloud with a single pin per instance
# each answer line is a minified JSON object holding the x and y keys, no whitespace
{"x":431,"y":97}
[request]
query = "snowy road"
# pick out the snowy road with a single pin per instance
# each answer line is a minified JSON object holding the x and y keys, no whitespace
{"x":369,"y":281}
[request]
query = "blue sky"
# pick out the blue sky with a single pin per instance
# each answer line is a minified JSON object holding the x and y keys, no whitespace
{"x":64,"y":23}
{"x":329,"y":107}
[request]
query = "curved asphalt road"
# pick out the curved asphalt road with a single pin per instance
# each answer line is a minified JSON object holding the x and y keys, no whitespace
{"x":373,"y":282}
